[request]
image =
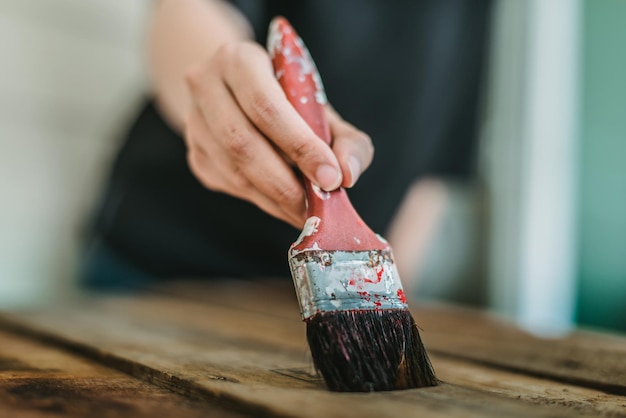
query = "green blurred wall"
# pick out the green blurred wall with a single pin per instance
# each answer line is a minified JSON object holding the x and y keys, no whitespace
{"x":602,"y":194}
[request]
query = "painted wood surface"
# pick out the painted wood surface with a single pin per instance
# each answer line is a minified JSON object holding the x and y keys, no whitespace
{"x":241,"y":345}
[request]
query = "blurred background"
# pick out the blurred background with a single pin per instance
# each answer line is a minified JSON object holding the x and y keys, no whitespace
{"x":540,"y":236}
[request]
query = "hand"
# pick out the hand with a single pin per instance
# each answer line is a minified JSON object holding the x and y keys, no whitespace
{"x":242,"y":136}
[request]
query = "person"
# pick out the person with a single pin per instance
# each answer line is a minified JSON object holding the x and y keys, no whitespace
{"x":204,"y":184}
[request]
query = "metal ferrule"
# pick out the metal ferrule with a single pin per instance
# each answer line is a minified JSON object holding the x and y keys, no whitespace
{"x":346,"y":280}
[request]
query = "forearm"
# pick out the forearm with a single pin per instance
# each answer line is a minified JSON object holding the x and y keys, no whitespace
{"x":182,"y":35}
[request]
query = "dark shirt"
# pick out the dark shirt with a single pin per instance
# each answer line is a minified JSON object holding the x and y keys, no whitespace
{"x":407,"y":72}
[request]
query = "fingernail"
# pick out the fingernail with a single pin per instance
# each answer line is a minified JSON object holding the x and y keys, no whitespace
{"x":355,"y":169}
{"x":328,"y":178}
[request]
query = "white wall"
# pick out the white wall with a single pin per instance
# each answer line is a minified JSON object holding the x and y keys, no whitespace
{"x":531,"y":139}
{"x":71,"y":74}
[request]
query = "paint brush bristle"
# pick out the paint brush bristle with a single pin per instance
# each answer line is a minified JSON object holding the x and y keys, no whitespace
{"x":365,"y":351}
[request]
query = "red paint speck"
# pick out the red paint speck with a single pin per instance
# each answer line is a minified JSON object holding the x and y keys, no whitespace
{"x":401,"y":296}
{"x":379,"y":274}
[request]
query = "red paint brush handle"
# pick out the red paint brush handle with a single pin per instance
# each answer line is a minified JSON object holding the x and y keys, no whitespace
{"x":339,"y":226}
{"x":298,"y":76}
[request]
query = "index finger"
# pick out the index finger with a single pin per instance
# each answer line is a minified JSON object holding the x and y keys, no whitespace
{"x":266,"y":105}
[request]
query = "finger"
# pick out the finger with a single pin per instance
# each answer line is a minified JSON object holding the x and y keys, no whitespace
{"x":266,"y":105}
{"x":209,"y":162}
{"x":270,"y":207}
{"x":197,"y":139}
{"x":251,"y":153}
{"x":210,"y":172}
{"x":353,"y":148}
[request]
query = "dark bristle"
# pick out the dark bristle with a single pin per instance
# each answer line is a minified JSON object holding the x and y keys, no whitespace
{"x":369,"y":350}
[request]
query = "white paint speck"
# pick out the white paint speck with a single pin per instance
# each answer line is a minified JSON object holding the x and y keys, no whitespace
{"x":310,"y":228}
{"x":320,"y":193}
{"x":320,"y":97}
{"x":381,"y":239}
{"x":304,"y":100}
{"x":315,"y":246}
{"x":334,"y":288}
{"x":274,"y":39}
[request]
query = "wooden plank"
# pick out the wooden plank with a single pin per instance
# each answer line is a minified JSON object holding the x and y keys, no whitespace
{"x":583,"y":358}
{"x":40,"y":381}
{"x":528,"y":388}
{"x":256,"y":360}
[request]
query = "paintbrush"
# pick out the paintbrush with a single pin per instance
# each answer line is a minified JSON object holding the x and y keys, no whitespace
{"x":359,"y":329}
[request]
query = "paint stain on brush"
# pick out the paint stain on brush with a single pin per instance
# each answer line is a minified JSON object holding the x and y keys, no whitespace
{"x":401,"y":296}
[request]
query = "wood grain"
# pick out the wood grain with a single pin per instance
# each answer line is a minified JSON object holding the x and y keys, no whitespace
{"x":205,"y":345}
{"x":583,"y":358}
{"x":40,"y":381}
{"x":529,"y":388}
{"x":485,"y":339}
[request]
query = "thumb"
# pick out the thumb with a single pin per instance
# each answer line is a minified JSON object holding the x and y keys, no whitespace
{"x":353,"y":148}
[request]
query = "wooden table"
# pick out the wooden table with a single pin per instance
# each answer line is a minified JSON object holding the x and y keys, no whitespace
{"x":237,"y":349}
